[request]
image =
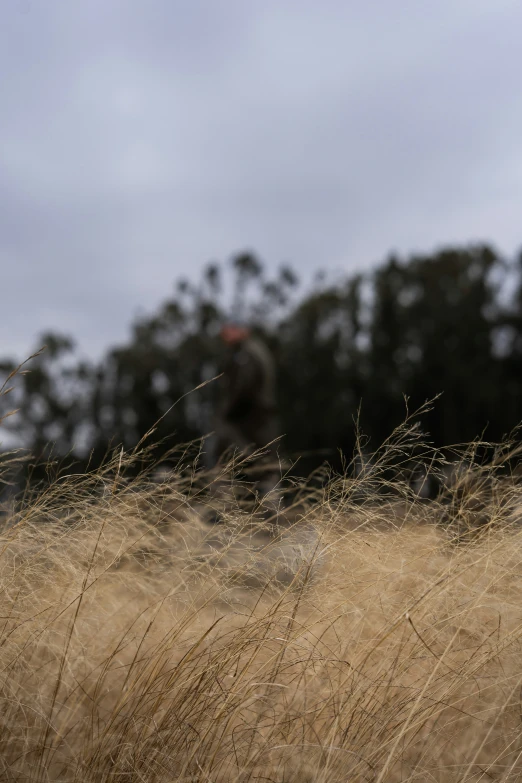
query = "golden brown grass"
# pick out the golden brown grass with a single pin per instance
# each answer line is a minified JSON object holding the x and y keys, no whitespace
{"x":360,"y":641}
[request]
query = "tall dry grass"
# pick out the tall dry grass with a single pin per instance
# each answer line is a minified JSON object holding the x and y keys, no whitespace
{"x":365,"y":637}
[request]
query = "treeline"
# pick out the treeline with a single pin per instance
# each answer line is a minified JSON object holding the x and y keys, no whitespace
{"x":351,"y":348}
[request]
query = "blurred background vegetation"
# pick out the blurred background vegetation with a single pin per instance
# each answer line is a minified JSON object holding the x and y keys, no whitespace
{"x":351,"y":347}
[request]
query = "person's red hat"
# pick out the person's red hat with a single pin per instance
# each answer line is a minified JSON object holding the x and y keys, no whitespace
{"x":234,"y":332}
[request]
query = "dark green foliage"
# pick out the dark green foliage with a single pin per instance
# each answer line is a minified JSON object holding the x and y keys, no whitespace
{"x":419,"y":327}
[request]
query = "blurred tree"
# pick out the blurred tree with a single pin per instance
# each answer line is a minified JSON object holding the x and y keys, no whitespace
{"x":52,"y":396}
{"x":456,"y":313}
{"x":321,"y":371}
{"x":418,"y":327}
{"x":508,"y":347}
{"x":149,"y":383}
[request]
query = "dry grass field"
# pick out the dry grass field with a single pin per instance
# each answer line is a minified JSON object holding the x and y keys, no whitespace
{"x":366,"y":637}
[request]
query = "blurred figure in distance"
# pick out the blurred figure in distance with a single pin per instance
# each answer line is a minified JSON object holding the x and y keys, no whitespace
{"x":247,"y":412}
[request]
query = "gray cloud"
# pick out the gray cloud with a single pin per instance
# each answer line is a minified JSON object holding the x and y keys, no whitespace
{"x":138,"y":140}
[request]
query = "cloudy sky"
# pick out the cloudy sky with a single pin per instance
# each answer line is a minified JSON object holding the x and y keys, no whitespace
{"x":141,"y":138}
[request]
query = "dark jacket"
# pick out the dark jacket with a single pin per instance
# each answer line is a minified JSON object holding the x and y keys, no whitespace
{"x":248,"y":383}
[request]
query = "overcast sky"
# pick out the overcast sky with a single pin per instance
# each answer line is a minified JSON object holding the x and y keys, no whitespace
{"x":141,"y":138}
